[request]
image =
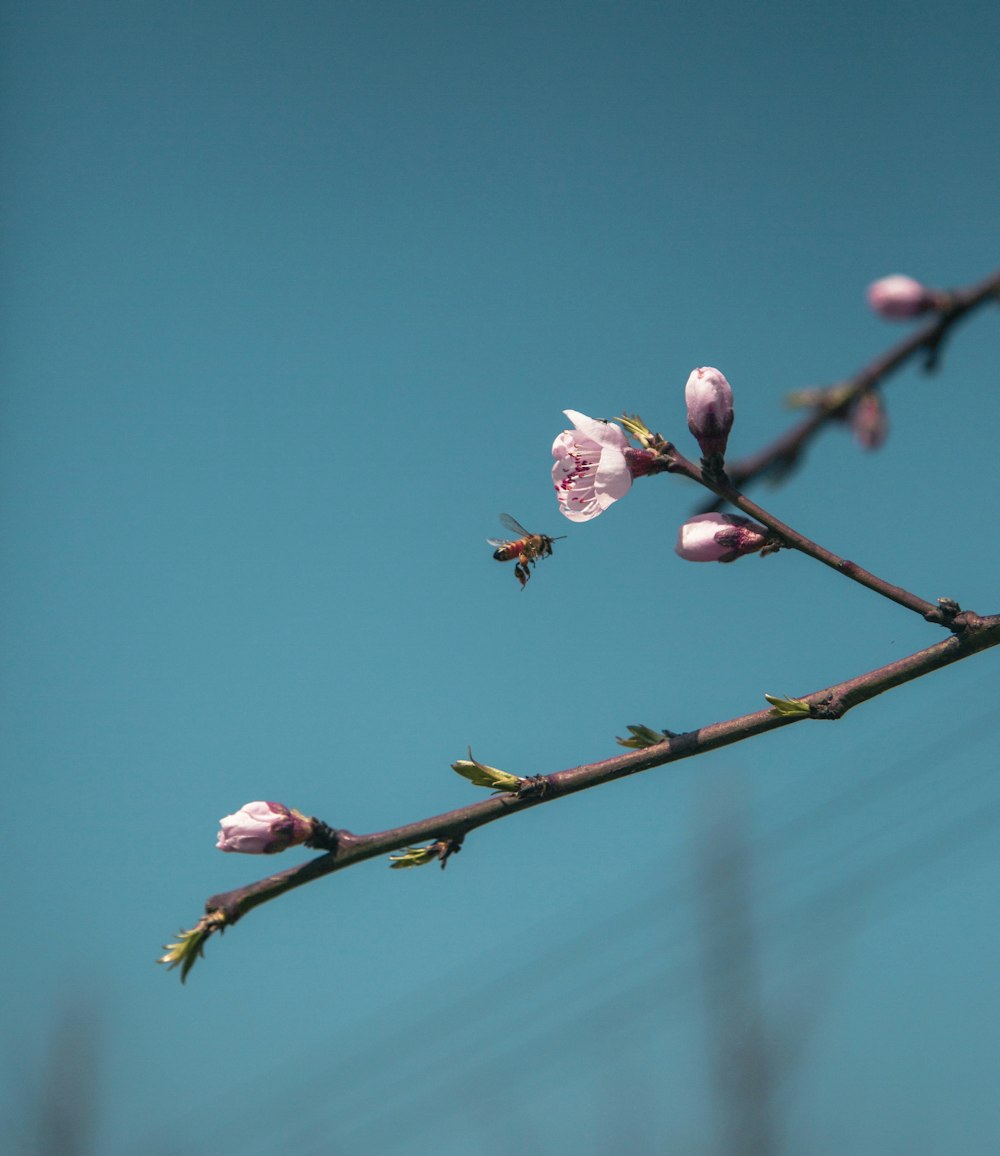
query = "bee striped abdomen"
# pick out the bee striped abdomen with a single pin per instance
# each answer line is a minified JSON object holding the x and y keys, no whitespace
{"x":527,"y":549}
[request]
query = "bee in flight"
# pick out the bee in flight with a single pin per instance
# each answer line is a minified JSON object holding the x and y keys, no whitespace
{"x":526,"y":548}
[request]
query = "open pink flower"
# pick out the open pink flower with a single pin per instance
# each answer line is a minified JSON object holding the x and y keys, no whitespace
{"x":591,"y":471}
{"x":898,"y":297}
{"x":719,"y":538}
{"x":263,"y":829}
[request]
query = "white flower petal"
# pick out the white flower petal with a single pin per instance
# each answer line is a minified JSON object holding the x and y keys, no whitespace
{"x":605,"y":433}
{"x":613,"y":479}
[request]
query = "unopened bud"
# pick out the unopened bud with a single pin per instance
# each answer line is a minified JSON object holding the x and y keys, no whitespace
{"x":869,"y":423}
{"x":709,"y":400}
{"x":898,"y":297}
{"x":263,"y":829}
{"x":719,"y":538}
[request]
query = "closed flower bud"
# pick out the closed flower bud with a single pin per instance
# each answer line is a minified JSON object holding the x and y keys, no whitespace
{"x":263,"y":829}
{"x":898,"y":297}
{"x":869,"y":422}
{"x":719,"y":538}
{"x":709,"y":400}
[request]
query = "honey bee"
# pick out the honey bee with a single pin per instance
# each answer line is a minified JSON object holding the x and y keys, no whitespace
{"x":526,"y":548}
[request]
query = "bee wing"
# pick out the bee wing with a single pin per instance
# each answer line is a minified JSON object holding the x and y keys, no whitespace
{"x":514,"y":526}
{"x":498,"y":543}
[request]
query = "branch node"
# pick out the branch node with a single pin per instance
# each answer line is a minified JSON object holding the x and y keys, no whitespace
{"x":324,"y":837}
{"x":966,"y":623}
{"x":713,"y":469}
{"x":535,"y":787}
{"x":828,"y":709}
{"x":949,"y":614}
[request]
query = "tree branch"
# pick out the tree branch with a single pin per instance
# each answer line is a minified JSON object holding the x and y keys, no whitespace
{"x":450,"y":828}
{"x":944,"y":613}
{"x":833,"y":402}
{"x":970,"y":635}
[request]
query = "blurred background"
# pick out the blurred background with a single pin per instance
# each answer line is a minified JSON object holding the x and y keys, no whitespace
{"x":294,"y":295}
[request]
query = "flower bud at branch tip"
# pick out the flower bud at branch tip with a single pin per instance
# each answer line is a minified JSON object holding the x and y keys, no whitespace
{"x":719,"y":538}
{"x":898,"y":298}
{"x":262,"y":828}
{"x":709,"y":400}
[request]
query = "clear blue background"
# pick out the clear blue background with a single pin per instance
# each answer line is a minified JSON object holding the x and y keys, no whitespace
{"x":293,"y":297}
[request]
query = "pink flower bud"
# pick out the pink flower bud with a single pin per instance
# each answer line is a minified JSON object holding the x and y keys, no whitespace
{"x":263,"y":829}
{"x":869,"y":422}
{"x":899,"y":297}
{"x":709,"y":400}
{"x":719,"y":538}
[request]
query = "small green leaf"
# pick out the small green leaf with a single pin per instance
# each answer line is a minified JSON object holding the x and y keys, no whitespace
{"x":416,"y":856}
{"x":637,"y":428}
{"x":789,"y":706}
{"x":642,"y":737}
{"x":190,"y":945}
{"x":483,"y":776}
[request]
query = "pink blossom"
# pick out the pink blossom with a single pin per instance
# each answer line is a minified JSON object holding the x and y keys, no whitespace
{"x":898,"y":297}
{"x":709,"y":400}
{"x":719,"y":538}
{"x":591,"y":470}
{"x":263,"y":829}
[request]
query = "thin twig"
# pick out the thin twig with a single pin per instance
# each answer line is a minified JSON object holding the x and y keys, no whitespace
{"x":786,"y":451}
{"x":945,"y":613}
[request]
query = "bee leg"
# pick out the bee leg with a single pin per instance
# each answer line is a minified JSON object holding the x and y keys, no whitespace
{"x":521,"y":571}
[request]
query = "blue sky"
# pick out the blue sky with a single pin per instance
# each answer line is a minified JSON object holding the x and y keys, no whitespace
{"x":294,"y":296}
